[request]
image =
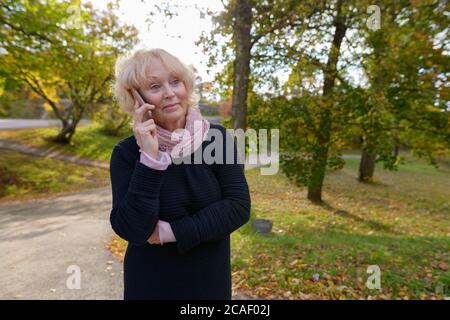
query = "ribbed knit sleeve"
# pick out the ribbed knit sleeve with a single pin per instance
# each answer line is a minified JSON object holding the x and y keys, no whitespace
{"x":221,"y":218}
{"x":135,"y":196}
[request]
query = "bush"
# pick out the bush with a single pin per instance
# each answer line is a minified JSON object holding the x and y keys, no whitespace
{"x":112,"y":120}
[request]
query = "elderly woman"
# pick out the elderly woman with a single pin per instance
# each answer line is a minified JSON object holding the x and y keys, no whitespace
{"x":177,"y":218}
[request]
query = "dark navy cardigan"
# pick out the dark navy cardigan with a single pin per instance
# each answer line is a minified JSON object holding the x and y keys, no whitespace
{"x":204,"y":203}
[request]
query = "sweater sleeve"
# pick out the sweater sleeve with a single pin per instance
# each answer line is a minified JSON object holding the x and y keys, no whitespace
{"x":165,"y":232}
{"x":220,"y":218}
{"x":161,"y":163}
{"x":135,"y":197}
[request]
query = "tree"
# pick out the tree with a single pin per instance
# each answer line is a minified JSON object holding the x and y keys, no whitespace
{"x":403,"y":101}
{"x":71,"y":67}
{"x":314,"y":74}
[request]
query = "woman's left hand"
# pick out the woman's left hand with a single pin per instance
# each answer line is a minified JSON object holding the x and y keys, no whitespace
{"x":154,"y":238}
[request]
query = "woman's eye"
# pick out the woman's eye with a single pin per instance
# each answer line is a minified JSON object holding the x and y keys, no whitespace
{"x":176,"y":81}
{"x":156,"y":86}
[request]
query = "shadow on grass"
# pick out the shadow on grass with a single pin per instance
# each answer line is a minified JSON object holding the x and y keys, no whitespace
{"x":368,"y":222}
{"x":352,"y":176}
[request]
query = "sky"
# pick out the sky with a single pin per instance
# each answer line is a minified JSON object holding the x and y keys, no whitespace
{"x":178,"y":36}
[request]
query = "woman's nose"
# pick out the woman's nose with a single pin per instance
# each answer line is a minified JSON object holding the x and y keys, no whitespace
{"x":168,"y":92}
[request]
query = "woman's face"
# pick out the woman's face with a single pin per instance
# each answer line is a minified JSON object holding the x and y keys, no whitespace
{"x":169,"y":96}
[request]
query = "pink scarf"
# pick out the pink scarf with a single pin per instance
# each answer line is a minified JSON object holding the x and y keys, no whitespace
{"x":183,"y":142}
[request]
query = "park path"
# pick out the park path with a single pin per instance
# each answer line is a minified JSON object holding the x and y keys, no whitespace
{"x":40,"y":240}
{"x":13,"y":124}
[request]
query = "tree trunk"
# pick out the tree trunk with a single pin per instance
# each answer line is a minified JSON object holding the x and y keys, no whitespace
{"x":324,"y":129}
{"x":242,"y":26}
{"x":65,"y":134}
{"x":396,"y":143}
{"x":317,"y":175}
{"x":366,"y":166}
{"x":69,"y":127}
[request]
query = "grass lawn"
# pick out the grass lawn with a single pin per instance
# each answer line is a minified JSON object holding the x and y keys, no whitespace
{"x":401,"y":224}
{"x":25,"y":177}
{"x":88,"y":141}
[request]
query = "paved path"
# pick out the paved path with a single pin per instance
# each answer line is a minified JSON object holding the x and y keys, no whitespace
{"x":39,"y":240}
{"x":12,"y":124}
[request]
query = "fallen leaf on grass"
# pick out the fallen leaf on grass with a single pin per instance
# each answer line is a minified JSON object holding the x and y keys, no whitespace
{"x":443,"y":266}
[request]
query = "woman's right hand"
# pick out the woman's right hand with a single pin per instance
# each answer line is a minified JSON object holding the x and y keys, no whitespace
{"x":145,"y":131}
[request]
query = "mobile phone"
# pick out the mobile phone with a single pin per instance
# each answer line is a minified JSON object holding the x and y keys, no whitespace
{"x":140,"y":101}
{"x":137,"y":96}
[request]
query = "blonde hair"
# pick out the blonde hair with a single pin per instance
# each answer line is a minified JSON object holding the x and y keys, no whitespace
{"x":132,"y":72}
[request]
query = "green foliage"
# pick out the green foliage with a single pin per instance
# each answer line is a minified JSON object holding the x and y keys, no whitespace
{"x":64,"y":52}
{"x":296,"y":119}
{"x":226,"y":123}
{"x":405,"y":67}
{"x":111,"y":119}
